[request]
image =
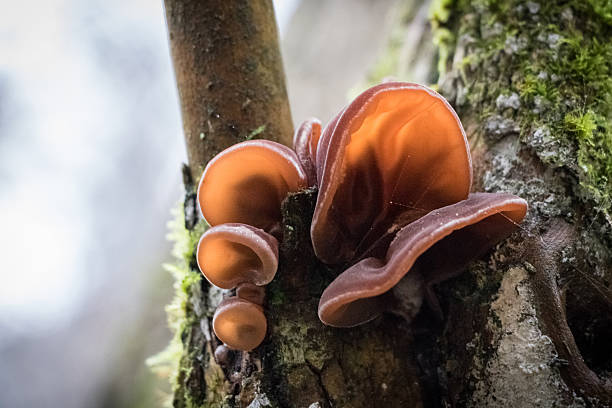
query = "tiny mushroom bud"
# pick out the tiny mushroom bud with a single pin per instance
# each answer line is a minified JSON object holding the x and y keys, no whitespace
{"x":441,"y":244}
{"x":222,"y":354}
{"x":398,"y":148}
{"x":305,"y":143}
{"x":247,"y":182}
{"x":229,"y":254}
{"x":239,"y":323}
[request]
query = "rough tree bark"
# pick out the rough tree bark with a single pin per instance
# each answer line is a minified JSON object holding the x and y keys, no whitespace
{"x":528,"y":325}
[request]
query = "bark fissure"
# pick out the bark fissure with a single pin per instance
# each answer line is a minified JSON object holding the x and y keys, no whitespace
{"x":327,"y":403}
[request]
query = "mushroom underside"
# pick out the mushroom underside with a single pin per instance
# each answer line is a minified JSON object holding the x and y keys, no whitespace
{"x":437,"y":246}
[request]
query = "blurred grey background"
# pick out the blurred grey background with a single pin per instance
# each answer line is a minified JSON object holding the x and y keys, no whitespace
{"x":90,"y":153}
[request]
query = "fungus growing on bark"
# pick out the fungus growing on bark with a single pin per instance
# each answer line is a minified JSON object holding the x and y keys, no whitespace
{"x":435,"y":247}
{"x":247,"y":182}
{"x":229,"y":254}
{"x":394,"y":173}
{"x":305,"y":142}
{"x":239,"y":323}
{"x":397,"y":149}
{"x":240,"y":196}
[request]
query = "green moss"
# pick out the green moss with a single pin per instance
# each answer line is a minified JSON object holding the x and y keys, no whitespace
{"x":594,"y":136}
{"x":167,"y":363}
{"x":276,"y":296}
{"x":603,"y":8}
{"x":444,"y":39}
{"x":440,"y":11}
{"x":256,"y":132}
{"x":554,"y":56}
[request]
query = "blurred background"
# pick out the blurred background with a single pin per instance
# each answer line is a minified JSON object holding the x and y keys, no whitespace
{"x":90,"y":153}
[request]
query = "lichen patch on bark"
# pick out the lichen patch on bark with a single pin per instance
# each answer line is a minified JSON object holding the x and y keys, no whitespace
{"x":524,"y":371}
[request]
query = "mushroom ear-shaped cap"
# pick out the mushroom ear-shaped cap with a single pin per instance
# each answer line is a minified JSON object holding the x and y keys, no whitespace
{"x":442,"y":242}
{"x":397,"y":147}
{"x":229,"y":254}
{"x":240,"y":324}
{"x":247,"y":182}
{"x":305,"y":142}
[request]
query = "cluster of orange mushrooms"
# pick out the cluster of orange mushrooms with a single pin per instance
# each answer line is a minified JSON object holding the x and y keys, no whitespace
{"x":393,"y":172}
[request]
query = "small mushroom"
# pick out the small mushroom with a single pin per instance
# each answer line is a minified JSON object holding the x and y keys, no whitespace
{"x":305,"y":142}
{"x":398,"y":150}
{"x":247,"y":182}
{"x":222,"y":355}
{"x":229,"y":254}
{"x":438,"y":246}
{"x":239,"y":323}
{"x":252,"y":293}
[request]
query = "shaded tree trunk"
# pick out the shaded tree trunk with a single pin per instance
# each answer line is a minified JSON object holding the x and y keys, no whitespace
{"x":528,"y":325}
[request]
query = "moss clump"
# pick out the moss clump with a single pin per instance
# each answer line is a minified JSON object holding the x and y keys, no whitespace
{"x":167,"y":363}
{"x":603,"y":8}
{"x":594,"y":136}
{"x":443,"y":38}
{"x":554,"y":57}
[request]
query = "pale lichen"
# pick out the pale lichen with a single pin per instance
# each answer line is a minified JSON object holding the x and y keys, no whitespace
{"x":525,"y":363}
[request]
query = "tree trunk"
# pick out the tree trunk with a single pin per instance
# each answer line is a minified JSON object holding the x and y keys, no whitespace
{"x":530,"y":324}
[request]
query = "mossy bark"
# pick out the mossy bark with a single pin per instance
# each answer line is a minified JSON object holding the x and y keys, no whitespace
{"x":527,"y":326}
{"x":530,"y":324}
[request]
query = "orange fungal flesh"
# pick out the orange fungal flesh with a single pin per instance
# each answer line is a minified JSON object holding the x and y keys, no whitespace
{"x":229,"y":254}
{"x":439,"y":245}
{"x":240,"y":324}
{"x":398,"y":148}
{"x":247,"y":182}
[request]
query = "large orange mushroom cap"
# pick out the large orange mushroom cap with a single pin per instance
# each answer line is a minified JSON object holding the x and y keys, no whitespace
{"x":247,"y":182}
{"x":397,"y":149}
{"x":438,"y":246}
{"x":240,"y":324}
{"x":229,"y":254}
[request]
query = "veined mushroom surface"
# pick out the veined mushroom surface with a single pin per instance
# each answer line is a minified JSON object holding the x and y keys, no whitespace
{"x":397,"y":150}
{"x":393,"y":172}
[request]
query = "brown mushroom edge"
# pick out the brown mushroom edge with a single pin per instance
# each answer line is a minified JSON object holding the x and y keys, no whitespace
{"x":240,"y":324}
{"x":247,"y":182}
{"x":305,"y":142}
{"x":232,"y":253}
{"x":437,"y":246}
{"x":397,"y":146}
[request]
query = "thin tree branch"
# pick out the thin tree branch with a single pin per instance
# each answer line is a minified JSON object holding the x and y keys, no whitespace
{"x":229,"y":74}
